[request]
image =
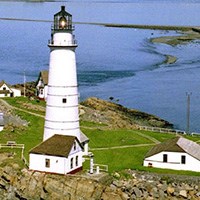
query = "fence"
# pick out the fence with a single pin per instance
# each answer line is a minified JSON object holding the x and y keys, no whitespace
{"x":164,"y":130}
{"x":103,"y":168}
{"x":14,"y":145}
{"x":161,"y":130}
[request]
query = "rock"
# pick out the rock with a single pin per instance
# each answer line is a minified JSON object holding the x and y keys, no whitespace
{"x":117,"y":116}
{"x":198,"y":194}
{"x":124,"y":196}
{"x":137,"y":192}
{"x":183,"y":193}
{"x":161,"y":195}
{"x":170,"y":190}
{"x":109,"y":196}
{"x":117,"y":183}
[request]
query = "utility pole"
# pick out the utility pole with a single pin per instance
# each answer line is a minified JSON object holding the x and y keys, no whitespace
{"x":188,"y":94}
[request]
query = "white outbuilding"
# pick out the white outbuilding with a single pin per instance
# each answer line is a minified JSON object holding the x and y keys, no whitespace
{"x":42,"y":85}
{"x":7,"y":91}
{"x":59,"y":154}
{"x":178,"y":153}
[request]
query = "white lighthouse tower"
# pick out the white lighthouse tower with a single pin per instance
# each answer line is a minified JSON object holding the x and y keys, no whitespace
{"x":63,"y":143}
{"x":62,"y":114}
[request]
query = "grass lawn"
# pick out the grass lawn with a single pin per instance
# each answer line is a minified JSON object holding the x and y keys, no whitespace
{"x":29,"y":136}
{"x":117,"y":159}
{"x":111,"y":138}
{"x":35,"y":106}
{"x":159,"y":136}
{"x":120,"y":159}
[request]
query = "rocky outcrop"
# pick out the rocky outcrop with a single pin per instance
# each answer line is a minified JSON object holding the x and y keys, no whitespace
{"x":23,"y":184}
{"x":117,"y":116}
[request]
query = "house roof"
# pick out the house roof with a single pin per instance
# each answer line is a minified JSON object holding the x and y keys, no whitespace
{"x":3,"y":82}
{"x":83,"y":138}
{"x":177,"y":144}
{"x":57,"y":145}
{"x":43,"y":76}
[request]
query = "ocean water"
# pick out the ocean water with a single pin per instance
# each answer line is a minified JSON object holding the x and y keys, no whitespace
{"x":117,"y":62}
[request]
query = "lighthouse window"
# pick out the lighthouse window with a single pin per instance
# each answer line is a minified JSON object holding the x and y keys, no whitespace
{"x":64,"y":100}
{"x":47,"y":162}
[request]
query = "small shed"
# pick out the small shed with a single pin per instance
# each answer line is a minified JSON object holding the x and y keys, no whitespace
{"x":59,"y":154}
{"x":178,"y":153}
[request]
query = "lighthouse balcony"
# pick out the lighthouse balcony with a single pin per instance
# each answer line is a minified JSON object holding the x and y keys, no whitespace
{"x":52,"y":43}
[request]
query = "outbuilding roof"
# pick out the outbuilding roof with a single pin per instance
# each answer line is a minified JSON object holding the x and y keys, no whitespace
{"x":57,"y":145}
{"x":83,"y":138}
{"x":43,"y":76}
{"x":177,"y":144}
{"x":3,"y":82}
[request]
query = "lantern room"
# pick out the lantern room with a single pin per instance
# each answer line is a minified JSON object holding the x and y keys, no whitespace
{"x":62,"y":20}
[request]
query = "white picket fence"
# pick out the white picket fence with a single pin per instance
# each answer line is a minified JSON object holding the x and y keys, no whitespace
{"x":14,"y":145}
{"x":165,"y":130}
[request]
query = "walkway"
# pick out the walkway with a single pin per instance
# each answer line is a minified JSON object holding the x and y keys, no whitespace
{"x":20,"y":109}
{"x":121,"y":147}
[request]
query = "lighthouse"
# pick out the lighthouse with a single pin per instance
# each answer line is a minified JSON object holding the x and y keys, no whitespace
{"x":62,"y":114}
{"x":63,"y":143}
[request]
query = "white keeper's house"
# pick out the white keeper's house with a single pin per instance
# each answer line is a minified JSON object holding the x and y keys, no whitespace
{"x":63,"y":143}
{"x":60,"y":154}
{"x":7,"y":91}
{"x":178,"y":153}
{"x":42,"y":85}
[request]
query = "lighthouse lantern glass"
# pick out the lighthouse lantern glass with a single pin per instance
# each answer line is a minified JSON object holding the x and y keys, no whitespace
{"x":62,"y":20}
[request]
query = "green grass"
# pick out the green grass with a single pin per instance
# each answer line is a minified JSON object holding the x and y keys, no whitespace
{"x":120,"y":159}
{"x":159,"y":136}
{"x":29,"y":136}
{"x":20,"y":101}
{"x":111,"y":138}
{"x":117,"y":159}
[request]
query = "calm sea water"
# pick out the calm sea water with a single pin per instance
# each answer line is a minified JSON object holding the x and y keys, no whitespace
{"x":116,"y":62}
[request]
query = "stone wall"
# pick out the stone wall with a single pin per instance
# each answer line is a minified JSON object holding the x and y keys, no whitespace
{"x":23,"y":184}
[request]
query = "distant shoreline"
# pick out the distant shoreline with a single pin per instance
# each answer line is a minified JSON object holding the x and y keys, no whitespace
{"x":187,"y":33}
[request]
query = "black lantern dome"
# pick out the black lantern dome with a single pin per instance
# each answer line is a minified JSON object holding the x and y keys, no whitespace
{"x":62,"y":20}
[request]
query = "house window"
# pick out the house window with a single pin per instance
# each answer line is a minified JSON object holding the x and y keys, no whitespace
{"x":74,"y":146}
{"x":4,"y":88}
{"x":41,"y":91}
{"x":76,"y":160}
{"x":164,"y":157}
{"x":47,"y":162}
{"x":71,"y":163}
{"x":64,"y":100}
{"x":183,"y":159}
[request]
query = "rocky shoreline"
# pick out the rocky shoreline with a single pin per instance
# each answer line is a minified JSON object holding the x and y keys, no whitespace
{"x":16,"y":183}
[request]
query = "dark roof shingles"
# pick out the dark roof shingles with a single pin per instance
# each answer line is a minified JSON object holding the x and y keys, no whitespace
{"x":57,"y":145}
